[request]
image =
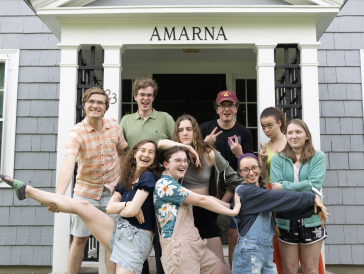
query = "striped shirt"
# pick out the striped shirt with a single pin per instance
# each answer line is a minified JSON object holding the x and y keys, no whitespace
{"x":97,"y":156}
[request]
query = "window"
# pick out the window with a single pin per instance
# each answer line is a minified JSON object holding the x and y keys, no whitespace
{"x":9,"y":69}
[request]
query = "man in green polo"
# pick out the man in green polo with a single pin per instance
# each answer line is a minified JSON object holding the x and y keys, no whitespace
{"x":147,"y":123}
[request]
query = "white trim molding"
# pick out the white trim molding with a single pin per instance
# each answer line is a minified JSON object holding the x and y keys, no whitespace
{"x":11,"y":60}
{"x":362,"y":77}
{"x":310,"y":93}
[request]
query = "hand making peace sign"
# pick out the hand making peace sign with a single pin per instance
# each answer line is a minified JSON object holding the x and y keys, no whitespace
{"x":235,"y":147}
{"x":263,"y":154}
{"x":211,"y":139}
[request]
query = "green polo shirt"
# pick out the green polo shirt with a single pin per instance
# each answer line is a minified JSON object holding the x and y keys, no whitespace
{"x":159,"y":125}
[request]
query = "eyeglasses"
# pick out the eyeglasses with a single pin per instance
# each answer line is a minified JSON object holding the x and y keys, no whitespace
{"x":99,"y":103}
{"x":179,"y":161}
{"x":226,"y":106}
{"x":149,"y":95}
{"x":247,"y":170}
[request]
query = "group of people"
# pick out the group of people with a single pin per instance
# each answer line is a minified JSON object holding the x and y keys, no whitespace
{"x":210,"y":189}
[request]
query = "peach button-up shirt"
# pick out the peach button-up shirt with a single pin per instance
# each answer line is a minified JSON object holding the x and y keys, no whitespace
{"x":97,"y":157}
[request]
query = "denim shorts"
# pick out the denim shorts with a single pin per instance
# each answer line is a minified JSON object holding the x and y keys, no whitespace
{"x":130,"y":246}
{"x":78,"y":227}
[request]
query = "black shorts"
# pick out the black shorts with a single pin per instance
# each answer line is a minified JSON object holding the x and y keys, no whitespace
{"x":232,"y":224}
{"x":299,"y":234}
{"x":205,"y":223}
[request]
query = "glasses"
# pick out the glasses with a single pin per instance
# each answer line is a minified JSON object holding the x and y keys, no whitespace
{"x":149,"y":95}
{"x":247,"y":170}
{"x":226,"y":106}
{"x":179,"y":161}
{"x":99,"y":103}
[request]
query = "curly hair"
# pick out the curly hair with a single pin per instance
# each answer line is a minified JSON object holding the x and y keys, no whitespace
{"x":197,"y":143}
{"x":128,"y":168}
{"x":144,"y":83}
{"x":264,"y":186}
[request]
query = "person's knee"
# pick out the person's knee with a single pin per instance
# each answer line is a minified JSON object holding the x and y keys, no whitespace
{"x":232,"y":237}
{"x":79,"y":241}
{"x":310,"y":268}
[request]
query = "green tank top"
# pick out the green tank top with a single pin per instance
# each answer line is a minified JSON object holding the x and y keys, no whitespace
{"x":267,"y":165}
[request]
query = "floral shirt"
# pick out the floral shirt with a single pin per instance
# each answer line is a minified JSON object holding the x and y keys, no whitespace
{"x":168,"y":196}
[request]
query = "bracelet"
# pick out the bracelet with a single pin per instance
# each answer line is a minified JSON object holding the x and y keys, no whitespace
{"x":125,"y":203}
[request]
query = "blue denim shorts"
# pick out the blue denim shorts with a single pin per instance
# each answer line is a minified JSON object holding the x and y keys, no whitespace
{"x":130,"y":246}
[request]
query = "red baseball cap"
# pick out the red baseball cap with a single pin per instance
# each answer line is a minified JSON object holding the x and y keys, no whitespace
{"x":226,"y":95}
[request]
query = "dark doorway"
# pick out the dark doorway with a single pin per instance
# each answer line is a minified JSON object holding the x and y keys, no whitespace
{"x":192,"y":94}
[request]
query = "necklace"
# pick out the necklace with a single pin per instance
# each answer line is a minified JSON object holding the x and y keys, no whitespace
{"x":276,"y":151}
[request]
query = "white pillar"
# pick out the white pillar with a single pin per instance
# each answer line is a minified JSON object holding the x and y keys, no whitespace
{"x":112,"y":79}
{"x":265,"y":82}
{"x":310,"y":92}
{"x":66,"y":120}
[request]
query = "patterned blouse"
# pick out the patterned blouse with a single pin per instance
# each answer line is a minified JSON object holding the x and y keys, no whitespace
{"x":168,"y":197}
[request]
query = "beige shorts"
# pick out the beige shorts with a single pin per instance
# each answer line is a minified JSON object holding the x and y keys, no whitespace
{"x":189,"y":258}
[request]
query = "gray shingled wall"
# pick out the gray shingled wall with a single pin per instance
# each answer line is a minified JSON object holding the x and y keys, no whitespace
{"x":342,"y":133}
{"x":26,"y":229}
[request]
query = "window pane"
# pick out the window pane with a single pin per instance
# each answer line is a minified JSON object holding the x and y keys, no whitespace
{"x":240,"y":89}
{"x":252,"y":90}
{"x":252,"y":115}
{"x":2,"y":75}
{"x":1,"y":102}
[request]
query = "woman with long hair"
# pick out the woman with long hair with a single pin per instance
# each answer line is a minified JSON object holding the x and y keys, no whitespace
{"x":254,"y":252}
{"x":183,"y":249}
{"x":299,"y":167}
{"x":209,"y":175}
{"x":130,"y":237}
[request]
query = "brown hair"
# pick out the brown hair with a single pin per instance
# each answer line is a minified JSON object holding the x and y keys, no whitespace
{"x":167,"y":154}
{"x":197,"y":142}
{"x":95,"y":90}
{"x":237,"y":104}
{"x":277,"y":114}
{"x":264,"y":186}
{"x":144,"y":83}
{"x":128,"y":168}
{"x":308,"y":150}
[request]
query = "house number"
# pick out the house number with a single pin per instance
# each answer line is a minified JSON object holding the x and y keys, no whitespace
{"x":113,"y":96}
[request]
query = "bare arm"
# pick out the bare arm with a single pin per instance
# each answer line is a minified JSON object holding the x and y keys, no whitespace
{"x":211,"y":204}
{"x":134,"y":206}
{"x":115,"y":206}
{"x":166,"y":144}
{"x":227,"y":196}
{"x":221,"y":202}
{"x":65,"y":174}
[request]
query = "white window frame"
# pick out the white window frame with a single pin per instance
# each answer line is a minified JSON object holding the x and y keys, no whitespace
{"x":11,"y":59}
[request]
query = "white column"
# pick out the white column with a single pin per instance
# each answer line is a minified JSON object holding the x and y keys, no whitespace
{"x":265,"y":82}
{"x":112,"y":79}
{"x":310,"y":92}
{"x":66,"y":120}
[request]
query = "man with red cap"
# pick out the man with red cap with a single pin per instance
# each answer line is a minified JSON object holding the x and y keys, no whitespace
{"x":231,"y":139}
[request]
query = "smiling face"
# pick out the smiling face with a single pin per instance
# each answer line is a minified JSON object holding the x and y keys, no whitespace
{"x":185,"y":132}
{"x":145,"y":155}
{"x":145,"y":99}
{"x":252,"y":176}
{"x":296,"y":136}
{"x":95,"y":110}
{"x":226,"y":114}
{"x":270,"y":127}
{"x":177,"y":165}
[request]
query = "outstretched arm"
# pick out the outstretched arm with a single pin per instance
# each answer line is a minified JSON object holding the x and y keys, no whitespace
{"x":211,"y":204}
{"x":165,"y":144}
